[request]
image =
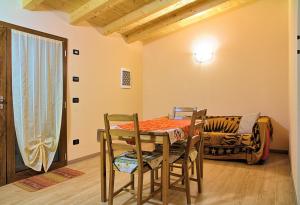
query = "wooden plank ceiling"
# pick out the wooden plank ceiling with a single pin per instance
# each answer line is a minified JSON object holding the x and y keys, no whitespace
{"x":138,"y":20}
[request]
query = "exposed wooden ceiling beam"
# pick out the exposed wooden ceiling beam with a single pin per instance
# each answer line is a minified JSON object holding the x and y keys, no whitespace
{"x":31,"y":4}
{"x":91,"y":9}
{"x":182,"y":18}
{"x":144,"y":14}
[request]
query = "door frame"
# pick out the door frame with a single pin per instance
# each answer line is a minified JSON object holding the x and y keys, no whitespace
{"x":11,"y":174}
{"x":3,"y":34}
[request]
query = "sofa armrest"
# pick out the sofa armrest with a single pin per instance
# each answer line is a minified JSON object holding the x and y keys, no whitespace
{"x":265,"y":131}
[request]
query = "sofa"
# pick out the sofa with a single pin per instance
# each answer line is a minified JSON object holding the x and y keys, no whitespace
{"x":222,"y":141}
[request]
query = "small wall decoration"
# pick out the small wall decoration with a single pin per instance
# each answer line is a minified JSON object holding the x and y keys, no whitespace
{"x":125,"y":79}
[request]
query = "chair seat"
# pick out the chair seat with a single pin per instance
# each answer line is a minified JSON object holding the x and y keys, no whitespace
{"x":193,"y":156}
{"x":177,"y":151}
{"x":127,"y":162}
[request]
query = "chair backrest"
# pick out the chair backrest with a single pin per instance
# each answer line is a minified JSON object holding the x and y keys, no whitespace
{"x":117,"y":132}
{"x":196,"y":117}
{"x":197,"y":124}
{"x":183,"y":112}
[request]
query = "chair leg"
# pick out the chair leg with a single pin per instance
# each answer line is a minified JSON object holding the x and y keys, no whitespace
{"x":132,"y":181}
{"x":111,"y":186}
{"x":151,"y":181}
{"x":187,"y":183}
{"x":170,"y":177}
{"x":156,"y":174}
{"x":140,"y":188}
{"x":201,"y":167}
{"x":201,"y":151}
{"x":161,"y":183}
{"x":198,"y":170}
{"x":182,"y":174}
{"x":193,"y":168}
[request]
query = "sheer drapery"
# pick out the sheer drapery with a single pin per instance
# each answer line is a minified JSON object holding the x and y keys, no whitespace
{"x":37,"y":88}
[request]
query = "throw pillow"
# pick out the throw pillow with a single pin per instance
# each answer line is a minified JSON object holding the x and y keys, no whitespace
{"x":247,"y":123}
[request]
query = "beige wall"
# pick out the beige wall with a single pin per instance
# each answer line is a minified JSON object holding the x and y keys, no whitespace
{"x":98,"y":67}
{"x":294,"y":76}
{"x":249,"y":73}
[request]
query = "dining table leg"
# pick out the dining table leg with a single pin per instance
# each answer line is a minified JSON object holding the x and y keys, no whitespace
{"x":102,"y":166}
{"x":165,"y":174}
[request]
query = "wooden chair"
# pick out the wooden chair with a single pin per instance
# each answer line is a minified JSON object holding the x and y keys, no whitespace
{"x":183,"y":112}
{"x":142,"y":166}
{"x":194,"y":143}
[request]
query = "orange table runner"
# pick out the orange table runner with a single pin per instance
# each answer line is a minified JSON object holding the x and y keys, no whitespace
{"x":177,"y":129}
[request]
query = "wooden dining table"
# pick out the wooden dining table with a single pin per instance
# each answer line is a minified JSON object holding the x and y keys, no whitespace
{"x":161,"y":130}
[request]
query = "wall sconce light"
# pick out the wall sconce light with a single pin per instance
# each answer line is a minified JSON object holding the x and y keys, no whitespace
{"x":204,"y":51}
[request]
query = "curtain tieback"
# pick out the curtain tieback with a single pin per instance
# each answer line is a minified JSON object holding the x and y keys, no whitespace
{"x":37,"y":150}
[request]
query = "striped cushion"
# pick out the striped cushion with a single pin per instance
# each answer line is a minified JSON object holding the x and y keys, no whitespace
{"x":177,"y":151}
{"x":127,"y":162}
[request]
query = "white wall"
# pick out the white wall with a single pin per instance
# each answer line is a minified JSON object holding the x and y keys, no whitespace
{"x":98,"y":68}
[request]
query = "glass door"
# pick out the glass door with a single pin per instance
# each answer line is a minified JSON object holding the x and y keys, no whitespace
{"x":12,"y":166}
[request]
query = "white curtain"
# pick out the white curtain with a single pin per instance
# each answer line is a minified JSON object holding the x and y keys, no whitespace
{"x":37,"y":88}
